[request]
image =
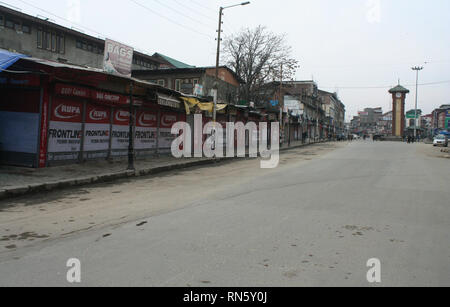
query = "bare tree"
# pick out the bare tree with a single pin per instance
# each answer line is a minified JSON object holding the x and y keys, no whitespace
{"x":258,"y":56}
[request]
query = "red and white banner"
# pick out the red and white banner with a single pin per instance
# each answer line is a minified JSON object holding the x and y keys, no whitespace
{"x":44,"y":129}
{"x":65,"y":126}
{"x":168,"y":119}
{"x":120,"y":129}
{"x":146,"y":130}
{"x":97,"y":128}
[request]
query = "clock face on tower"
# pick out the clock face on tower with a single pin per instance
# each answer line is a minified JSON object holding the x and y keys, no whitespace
{"x":399,"y":95}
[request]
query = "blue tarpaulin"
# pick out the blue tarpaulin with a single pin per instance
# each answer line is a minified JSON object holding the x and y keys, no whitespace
{"x":8,"y":58}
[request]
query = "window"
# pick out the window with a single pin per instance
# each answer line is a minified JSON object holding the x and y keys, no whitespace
{"x":9,"y":24}
{"x":178,"y":85}
{"x":54,"y":42}
{"x":61,"y":48}
{"x":26,"y":29}
{"x":90,"y":48}
{"x":48,"y":41}
{"x":2,"y":20}
{"x":162,"y":82}
{"x":79,"y":44}
{"x":195,"y":82}
{"x":18,"y":26}
{"x":39,"y":38}
{"x":83,"y":46}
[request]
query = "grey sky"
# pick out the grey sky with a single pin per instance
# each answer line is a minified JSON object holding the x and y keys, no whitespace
{"x":341,"y":44}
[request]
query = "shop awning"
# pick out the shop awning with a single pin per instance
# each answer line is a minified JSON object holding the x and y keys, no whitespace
{"x":9,"y":58}
{"x":190,"y":103}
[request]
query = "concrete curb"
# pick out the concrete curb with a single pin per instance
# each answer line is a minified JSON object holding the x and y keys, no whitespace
{"x":7,"y":193}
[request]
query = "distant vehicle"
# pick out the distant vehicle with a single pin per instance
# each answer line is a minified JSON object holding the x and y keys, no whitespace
{"x":441,"y":140}
{"x":377,"y":137}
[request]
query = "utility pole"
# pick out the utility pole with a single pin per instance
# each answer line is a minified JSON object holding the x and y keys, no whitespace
{"x":281,"y":104}
{"x":417,"y":69}
{"x":216,"y":83}
{"x":131,"y":133}
{"x":219,"y":39}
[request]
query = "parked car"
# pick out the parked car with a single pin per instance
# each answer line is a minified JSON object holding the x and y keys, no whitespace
{"x":441,"y":140}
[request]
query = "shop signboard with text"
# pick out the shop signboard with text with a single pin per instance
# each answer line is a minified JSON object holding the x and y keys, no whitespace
{"x":120,"y":132}
{"x":65,"y":130}
{"x":146,"y":130}
{"x":118,"y":58}
{"x":97,"y":131}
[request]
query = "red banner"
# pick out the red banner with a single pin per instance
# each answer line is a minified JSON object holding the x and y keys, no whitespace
{"x":168,"y":120}
{"x":112,"y":99}
{"x":121,"y":117}
{"x":97,"y":114}
{"x":146,"y":119}
{"x":44,"y":129}
{"x":67,"y":111}
{"x":70,"y":90}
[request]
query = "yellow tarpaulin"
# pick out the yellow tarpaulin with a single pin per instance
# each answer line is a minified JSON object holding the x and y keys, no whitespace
{"x":190,"y":103}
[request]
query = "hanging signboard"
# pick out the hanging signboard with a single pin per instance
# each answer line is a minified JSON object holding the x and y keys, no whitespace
{"x":64,"y":140}
{"x":118,"y":58}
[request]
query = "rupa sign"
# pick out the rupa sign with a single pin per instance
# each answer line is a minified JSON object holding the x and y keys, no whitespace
{"x":118,"y":58}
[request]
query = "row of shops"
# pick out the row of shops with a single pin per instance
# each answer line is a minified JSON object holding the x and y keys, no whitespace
{"x":53,"y":113}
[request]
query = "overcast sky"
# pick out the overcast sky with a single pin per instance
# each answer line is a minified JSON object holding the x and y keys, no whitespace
{"x":343,"y":45}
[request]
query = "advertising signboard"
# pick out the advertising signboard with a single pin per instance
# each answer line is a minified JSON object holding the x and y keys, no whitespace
{"x":120,"y":130}
{"x":97,"y":128}
{"x":65,"y":129}
{"x":146,"y":130}
{"x":118,"y":58}
{"x":168,"y":119}
{"x":109,"y":98}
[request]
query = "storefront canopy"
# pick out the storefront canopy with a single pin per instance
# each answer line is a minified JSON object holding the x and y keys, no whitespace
{"x":9,"y":58}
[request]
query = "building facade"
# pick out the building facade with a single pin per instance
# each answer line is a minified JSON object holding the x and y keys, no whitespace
{"x":197,"y":81}
{"x":43,"y":39}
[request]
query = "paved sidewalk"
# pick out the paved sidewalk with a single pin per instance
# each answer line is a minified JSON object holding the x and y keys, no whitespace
{"x":16,"y":181}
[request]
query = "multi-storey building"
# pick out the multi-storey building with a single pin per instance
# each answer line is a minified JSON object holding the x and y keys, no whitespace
{"x":196,"y":80}
{"x":41,"y":38}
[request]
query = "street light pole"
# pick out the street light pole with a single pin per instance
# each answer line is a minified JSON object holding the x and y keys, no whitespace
{"x":416,"y":69}
{"x":219,"y":39}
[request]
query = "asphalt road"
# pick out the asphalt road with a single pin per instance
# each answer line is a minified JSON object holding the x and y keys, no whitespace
{"x":314,"y":221}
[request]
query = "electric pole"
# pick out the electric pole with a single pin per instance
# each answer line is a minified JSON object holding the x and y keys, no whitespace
{"x":417,"y":69}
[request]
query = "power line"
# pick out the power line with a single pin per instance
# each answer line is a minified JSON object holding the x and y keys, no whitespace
{"x":202,"y":6}
{"x":171,"y":20}
{"x":195,"y":11}
{"x":59,"y":17}
{"x":101,"y":35}
{"x":181,"y":13}
{"x":383,"y":87}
